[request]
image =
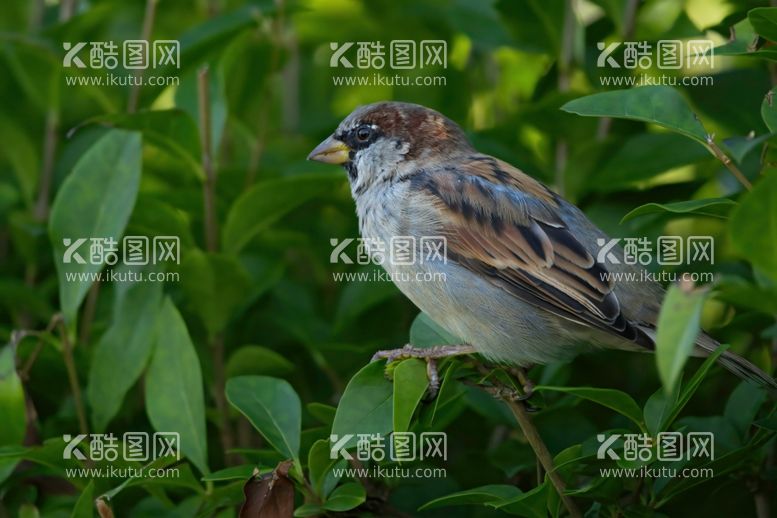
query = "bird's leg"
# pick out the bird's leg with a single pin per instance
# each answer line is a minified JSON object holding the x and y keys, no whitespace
{"x":428,"y":354}
{"x":523,"y":379}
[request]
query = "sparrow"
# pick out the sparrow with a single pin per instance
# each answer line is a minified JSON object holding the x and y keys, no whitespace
{"x":518,"y":282}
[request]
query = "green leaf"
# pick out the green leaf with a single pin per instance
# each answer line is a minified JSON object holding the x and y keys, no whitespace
{"x":610,"y":398}
{"x":764,"y":21}
{"x":174,"y":391}
{"x":102,"y":186}
{"x":266,"y":202}
{"x":257,"y":360}
{"x":322,"y":412}
{"x":410,"y":383}
{"x":712,"y":207}
{"x":320,"y":468}
{"x":123,"y":350}
{"x":173,"y":131}
{"x":662,"y":409}
{"x":677,"y":328}
{"x":753,"y":225}
{"x":475,"y":496}
{"x":637,"y":161}
{"x":424,"y":332}
{"x":84,"y":507}
{"x":531,"y":504}
{"x":741,"y":147}
{"x":272,"y":407}
{"x":366,"y":405}
{"x":208,"y":277}
{"x":243,"y":472}
{"x":345,"y":497}
{"x":661,"y":105}
{"x":13,"y":413}
{"x":769,"y":110}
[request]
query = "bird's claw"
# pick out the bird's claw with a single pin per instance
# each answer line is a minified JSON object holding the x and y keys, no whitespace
{"x":430,"y":355}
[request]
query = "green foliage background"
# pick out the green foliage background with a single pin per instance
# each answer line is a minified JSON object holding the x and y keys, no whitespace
{"x":255,"y":355}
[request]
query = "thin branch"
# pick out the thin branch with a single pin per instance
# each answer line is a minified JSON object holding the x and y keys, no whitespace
{"x":544,"y":456}
{"x":219,"y":395}
{"x":564,"y":80}
{"x":209,"y":186}
{"x":47,"y":170}
{"x":72,"y":375}
{"x":24,"y":373}
{"x":727,"y":162}
{"x":629,"y":23}
{"x":145,"y":35}
{"x":507,"y":393}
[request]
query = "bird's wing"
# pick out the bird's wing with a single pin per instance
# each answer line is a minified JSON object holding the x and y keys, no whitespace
{"x":504,"y":226}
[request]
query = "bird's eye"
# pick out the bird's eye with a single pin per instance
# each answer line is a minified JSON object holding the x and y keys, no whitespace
{"x":363,"y":133}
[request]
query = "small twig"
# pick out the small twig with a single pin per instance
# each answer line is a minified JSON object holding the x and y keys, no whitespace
{"x":564,"y":80}
{"x":537,"y":444}
{"x":209,"y":186}
{"x":727,"y":162}
{"x":47,"y":169}
{"x":72,"y":375}
{"x":219,"y":395}
{"x":145,"y":35}
{"x":24,"y":374}
{"x":87,"y":316}
{"x":533,"y":437}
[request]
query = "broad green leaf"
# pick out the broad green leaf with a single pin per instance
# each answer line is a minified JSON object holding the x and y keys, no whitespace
{"x":410,"y":382}
{"x":13,"y":413}
{"x":273,"y":407}
{"x":740,"y":147}
{"x":174,"y":392}
{"x":322,"y":412}
{"x":637,"y":161}
{"x":662,"y":409}
{"x":320,"y":468}
{"x":123,"y":350}
{"x":308,"y":510}
{"x":95,"y":201}
{"x":764,"y":21}
{"x":266,"y":202}
{"x":531,"y":504}
{"x":208,"y":277}
{"x":84,"y":507}
{"x":677,"y":328}
{"x":187,"y":98}
{"x":359,"y":297}
{"x":257,"y":360}
{"x":366,"y":405}
{"x":475,"y":496}
{"x":424,"y":332}
{"x":173,"y":131}
{"x":769,"y":110}
{"x":712,"y":207}
{"x":610,"y":398}
{"x":345,"y":497}
{"x":753,"y":226}
{"x":742,"y":406}
{"x":661,"y":105}
{"x":242,"y":472}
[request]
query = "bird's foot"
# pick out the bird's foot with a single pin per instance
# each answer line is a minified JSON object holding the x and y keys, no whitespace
{"x":428,"y":354}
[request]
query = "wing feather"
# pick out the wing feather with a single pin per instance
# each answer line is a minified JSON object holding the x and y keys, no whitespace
{"x":504,"y":226}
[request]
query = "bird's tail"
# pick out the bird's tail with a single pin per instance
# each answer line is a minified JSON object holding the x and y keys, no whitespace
{"x":736,"y":364}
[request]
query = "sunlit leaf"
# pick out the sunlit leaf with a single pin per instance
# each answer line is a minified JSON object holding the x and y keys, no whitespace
{"x":174,"y":393}
{"x":661,"y":105}
{"x":272,"y":406}
{"x":677,"y":329}
{"x":102,"y":186}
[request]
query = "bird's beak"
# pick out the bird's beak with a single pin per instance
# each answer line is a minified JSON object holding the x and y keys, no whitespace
{"x":330,"y":151}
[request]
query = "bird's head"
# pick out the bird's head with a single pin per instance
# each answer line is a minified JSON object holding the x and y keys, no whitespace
{"x":386,"y":140}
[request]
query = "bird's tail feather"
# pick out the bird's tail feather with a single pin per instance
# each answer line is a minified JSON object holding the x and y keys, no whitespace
{"x":736,"y":364}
